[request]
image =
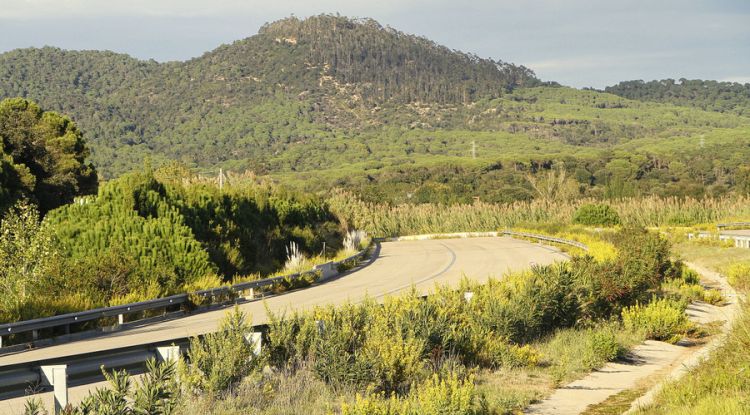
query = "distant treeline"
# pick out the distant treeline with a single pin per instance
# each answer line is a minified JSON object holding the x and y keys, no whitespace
{"x":707,"y":95}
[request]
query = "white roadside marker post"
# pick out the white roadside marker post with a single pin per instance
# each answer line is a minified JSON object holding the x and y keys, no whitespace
{"x":57,"y":377}
{"x":255,"y":339}
{"x":168,"y":353}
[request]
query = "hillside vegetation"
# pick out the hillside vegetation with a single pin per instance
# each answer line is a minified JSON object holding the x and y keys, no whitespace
{"x":42,"y":157}
{"x":332,"y":101}
{"x":732,"y":97}
{"x":281,"y":85}
{"x":145,"y":236}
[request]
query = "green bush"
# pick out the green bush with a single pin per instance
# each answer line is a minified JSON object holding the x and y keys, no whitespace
{"x":738,"y":275}
{"x":602,"y":346}
{"x":155,"y":393}
{"x":451,"y":396}
{"x":713,"y":297}
{"x":219,"y":360}
{"x":661,"y":319}
{"x":596,"y":215}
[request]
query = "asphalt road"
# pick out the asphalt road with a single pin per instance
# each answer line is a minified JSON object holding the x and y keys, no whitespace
{"x":398,"y":266}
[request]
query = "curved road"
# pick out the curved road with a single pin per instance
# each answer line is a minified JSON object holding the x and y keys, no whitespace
{"x":398,"y":266}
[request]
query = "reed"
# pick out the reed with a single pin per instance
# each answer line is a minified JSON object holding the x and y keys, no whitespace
{"x":409,"y":219}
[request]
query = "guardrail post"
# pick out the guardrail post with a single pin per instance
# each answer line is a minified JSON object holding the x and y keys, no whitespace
{"x":255,"y":339}
{"x":34,"y":334}
{"x":168,"y":353}
{"x":57,"y":377}
{"x":327,"y":270}
{"x":1,"y":342}
{"x":250,"y":294}
{"x":120,"y":319}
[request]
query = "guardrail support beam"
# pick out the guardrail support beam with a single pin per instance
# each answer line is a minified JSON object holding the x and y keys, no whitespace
{"x":34,"y":334}
{"x":255,"y":339}
{"x":120,"y":319}
{"x":168,"y":353}
{"x":57,"y":377}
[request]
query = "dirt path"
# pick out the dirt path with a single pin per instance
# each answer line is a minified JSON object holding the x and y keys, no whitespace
{"x":649,"y":363}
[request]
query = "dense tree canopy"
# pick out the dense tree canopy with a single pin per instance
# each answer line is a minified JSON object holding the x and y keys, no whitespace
{"x":42,"y":156}
{"x":708,"y":95}
{"x":241,"y":102}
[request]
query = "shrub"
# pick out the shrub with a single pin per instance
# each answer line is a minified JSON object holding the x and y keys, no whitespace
{"x":712,"y":297}
{"x":738,"y":275}
{"x":341,"y":334}
{"x":498,"y":353}
{"x":602,"y":346}
{"x":221,"y":359}
{"x":395,"y":358}
{"x":596,"y":215}
{"x":155,"y":393}
{"x":27,"y":251}
{"x":678,"y":290}
{"x":661,"y":319}
{"x":451,"y":396}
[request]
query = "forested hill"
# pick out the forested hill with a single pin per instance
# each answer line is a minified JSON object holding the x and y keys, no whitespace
{"x":330,"y":101}
{"x":384,"y":63}
{"x":294,"y":79}
{"x":708,"y":95}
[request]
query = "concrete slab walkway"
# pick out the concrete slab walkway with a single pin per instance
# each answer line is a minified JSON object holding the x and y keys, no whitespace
{"x":648,"y":364}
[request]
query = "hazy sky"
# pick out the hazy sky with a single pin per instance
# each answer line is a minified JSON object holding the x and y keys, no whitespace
{"x":575,"y":42}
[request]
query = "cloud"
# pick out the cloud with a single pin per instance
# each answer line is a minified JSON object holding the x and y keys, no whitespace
{"x":35,"y":9}
{"x":615,"y":60}
{"x":576,"y":42}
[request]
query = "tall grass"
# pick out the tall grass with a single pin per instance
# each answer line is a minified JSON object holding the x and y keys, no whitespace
{"x":721,"y":385}
{"x":392,"y":220}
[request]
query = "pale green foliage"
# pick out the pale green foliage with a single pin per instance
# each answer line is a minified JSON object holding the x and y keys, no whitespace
{"x":713,"y":296}
{"x":34,"y":406}
{"x":219,"y":360}
{"x":719,"y":385}
{"x":738,"y":275}
{"x":598,"y":214}
{"x":553,"y":186}
{"x":451,"y":396}
{"x":570,"y":353}
{"x":395,"y":356}
{"x":661,"y":319}
{"x":602,"y":346}
{"x":26,"y":253}
{"x":294,"y":258}
{"x":280,"y":392}
{"x":383,"y":219}
{"x":155,"y":394}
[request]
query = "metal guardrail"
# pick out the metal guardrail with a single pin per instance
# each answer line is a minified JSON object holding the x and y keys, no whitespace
{"x":547,"y":238}
{"x":181,"y":300}
{"x":15,"y":379}
{"x":740,"y":241}
{"x":66,"y":320}
{"x":733,"y":225}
